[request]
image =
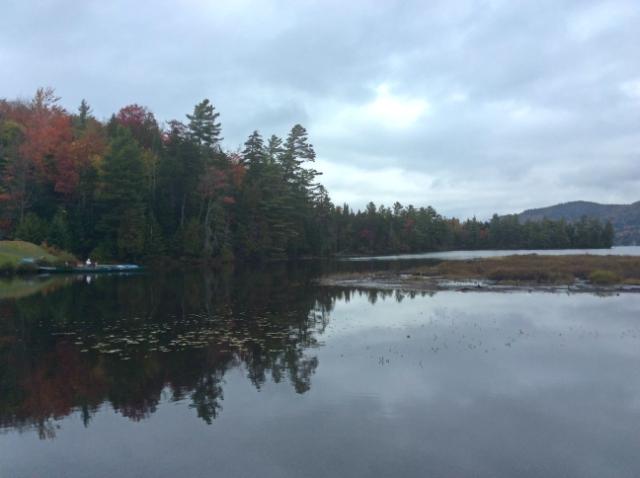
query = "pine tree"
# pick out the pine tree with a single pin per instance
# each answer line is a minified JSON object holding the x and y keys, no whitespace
{"x":84,"y":113}
{"x":31,"y":229}
{"x":254,"y":152}
{"x":297,"y":151}
{"x":607,"y":235}
{"x":123,"y":220}
{"x":175,"y":191}
{"x":59,"y":234}
{"x":180,"y":168}
{"x":203,"y":126}
{"x":274,"y":149}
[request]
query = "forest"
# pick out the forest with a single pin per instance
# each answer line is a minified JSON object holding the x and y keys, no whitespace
{"x":132,"y":188}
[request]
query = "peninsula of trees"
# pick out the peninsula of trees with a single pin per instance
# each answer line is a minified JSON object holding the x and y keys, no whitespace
{"x":130,"y":188}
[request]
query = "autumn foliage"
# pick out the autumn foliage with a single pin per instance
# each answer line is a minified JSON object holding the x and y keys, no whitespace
{"x":131,"y":188}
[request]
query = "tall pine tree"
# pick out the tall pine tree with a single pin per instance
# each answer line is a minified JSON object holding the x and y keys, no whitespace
{"x":204,"y":126}
{"x":123,"y":217}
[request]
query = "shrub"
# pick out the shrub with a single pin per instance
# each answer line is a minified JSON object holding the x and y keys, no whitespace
{"x":59,"y":234}
{"x":603,"y":277}
{"x":103,"y":251}
{"x":60,"y":255}
{"x":536,"y":275}
{"x":32,"y":229}
{"x":7,"y":268}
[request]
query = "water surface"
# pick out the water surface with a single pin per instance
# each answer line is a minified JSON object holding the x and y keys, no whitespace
{"x":263,"y":373}
{"x":465,"y":255}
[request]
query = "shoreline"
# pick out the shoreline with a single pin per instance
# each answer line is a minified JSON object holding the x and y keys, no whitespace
{"x":440,"y":284}
{"x":569,"y":274}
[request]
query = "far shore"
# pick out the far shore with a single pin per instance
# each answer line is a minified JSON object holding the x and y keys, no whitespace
{"x":572,"y":273}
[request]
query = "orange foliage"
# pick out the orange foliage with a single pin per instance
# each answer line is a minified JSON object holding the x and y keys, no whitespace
{"x":49,"y":151}
{"x":238,"y":172}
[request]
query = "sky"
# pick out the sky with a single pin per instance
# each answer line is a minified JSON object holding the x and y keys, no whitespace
{"x":472,"y":107}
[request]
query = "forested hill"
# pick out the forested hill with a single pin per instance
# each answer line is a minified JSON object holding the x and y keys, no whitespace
{"x":131,"y":188}
{"x":624,"y":217}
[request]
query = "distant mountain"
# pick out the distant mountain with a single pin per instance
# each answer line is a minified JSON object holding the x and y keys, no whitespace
{"x":624,"y":217}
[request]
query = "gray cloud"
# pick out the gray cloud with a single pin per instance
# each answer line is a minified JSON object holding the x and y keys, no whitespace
{"x":473,"y":107}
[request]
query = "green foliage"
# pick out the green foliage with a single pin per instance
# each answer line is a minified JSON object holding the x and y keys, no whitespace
{"x":123,"y":172}
{"x":192,"y":239}
{"x":602,"y":277}
{"x":32,"y":229}
{"x":154,"y":241}
{"x":7,"y":268}
{"x":131,"y":233}
{"x":19,"y":255}
{"x":84,"y":114}
{"x":254,"y":153}
{"x":105,"y":250}
{"x":123,"y":220}
{"x":59,"y":234}
{"x":203,"y":125}
{"x":133,"y":191}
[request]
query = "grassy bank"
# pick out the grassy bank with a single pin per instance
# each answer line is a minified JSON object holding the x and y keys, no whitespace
{"x":19,"y":256}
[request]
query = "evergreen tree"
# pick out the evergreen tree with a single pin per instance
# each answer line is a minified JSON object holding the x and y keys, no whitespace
{"x":59,"y":234}
{"x":175,"y":192}
{"x":31,"y":229}
{"x":204,"y":127}
{"x":123,"y":221}
{"x":607,"y":235}
{"x":84,"y":113}
{"x":298,"y":151}
{"x":181,"y":165}
{"x":274,"y":149}
{"x":254,"y":153}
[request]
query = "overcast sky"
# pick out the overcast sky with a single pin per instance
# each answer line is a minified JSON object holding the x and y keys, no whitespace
{"x":472,"y":107}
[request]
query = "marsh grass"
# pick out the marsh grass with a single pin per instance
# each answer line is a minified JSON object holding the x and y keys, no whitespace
{"x":604,"y":277}
{"x":536,"y":269}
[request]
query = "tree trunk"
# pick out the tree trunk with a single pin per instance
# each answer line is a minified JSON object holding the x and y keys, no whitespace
{"x":207,"y":246}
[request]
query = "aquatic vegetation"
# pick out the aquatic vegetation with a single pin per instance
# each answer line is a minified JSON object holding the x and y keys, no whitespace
{"x":539,"y":269}
{"x":604,"y":277}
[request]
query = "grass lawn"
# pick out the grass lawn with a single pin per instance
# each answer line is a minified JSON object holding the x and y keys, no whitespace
{"x":13,"y":252}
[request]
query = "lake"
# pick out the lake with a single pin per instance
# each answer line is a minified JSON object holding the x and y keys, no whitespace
{"x":465,"y":255}
{"x":261,"y":372}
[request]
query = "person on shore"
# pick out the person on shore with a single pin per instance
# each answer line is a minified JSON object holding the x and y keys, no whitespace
{"x":88,"y":262}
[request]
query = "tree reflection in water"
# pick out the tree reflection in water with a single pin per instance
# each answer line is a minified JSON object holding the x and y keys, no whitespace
{"x":128,"y":342}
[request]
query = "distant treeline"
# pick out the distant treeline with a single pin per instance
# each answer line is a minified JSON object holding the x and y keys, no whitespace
{"x":406,"y":229}
{"x":129,"y":189}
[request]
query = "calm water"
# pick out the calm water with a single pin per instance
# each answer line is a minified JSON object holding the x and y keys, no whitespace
{"x":464,"y":255}
{"x":262,"y":373}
